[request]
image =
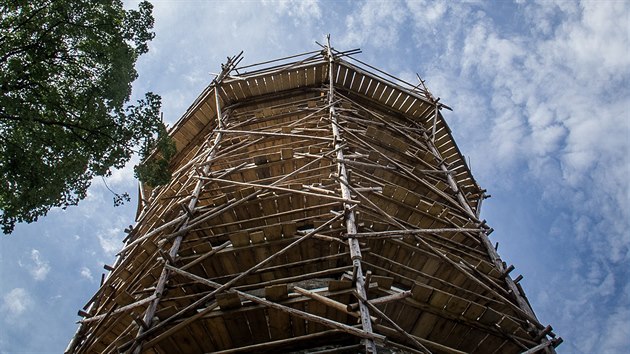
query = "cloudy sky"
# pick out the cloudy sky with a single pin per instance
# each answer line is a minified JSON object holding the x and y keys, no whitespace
{"x":541,"y":98}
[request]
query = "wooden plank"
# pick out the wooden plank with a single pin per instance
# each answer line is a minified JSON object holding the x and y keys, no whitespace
{"x":244,"y":87}
{"x":219,"y":332}
{"x":301,"y":77}
{"x":239,"y":239}
{"x":337,"y":285}
{"x":441,"y":329}
{"x":198,"y":331}
{"x":184,"y":341}
{"x":356,"y":81}
{"x":490,"y":317}
{"x":389,"y":249}
{"x":367,"y":87}
{"x":202,"y":248}
{"x":273,"y":232}
{"x":439,"y":299}
{"x":383,"y":281}
{"x":421,"y":292}
{"x":405,"y":316}
{"x":228,"y":300}
{"x":387,"y":94}
{"x":258,"y":324}
{"x":378,"y":91}
{"x":257,"y":237}
{"x":229,"y":262}
{"x":318,"y":309}
{"x":473,"y":311}
{"x":424,"y":324}
{"x":277,"y":293}
{"x":319,"y":74}
{"x":292,"y":75}
{"x":509,"y":325}
{"x":399,"y":99}
{"x":238,"y":328}
{"x":124,"y":299}
{"x":279,"y":324}
{"x":262,"y":253}
{"x":340,"y":76}
{"x":458,"y":333}
{"x":309,"y":73}
{"x":165,"y":346}
{"x":298,"y":324}
{"x":457,"y":305}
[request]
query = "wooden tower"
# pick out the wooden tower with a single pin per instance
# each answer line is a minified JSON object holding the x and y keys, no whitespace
{"x":317,"y":205}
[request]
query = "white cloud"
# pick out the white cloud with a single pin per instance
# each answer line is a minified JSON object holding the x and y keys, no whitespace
{"x":87,"y":273}
{"x":38,"y":267}
{"x":299,"y":10}
{"x":541,"y":103}
{"x":15,"y":303}
{"x":427,"y":12}
{"x":558,"y":104}
{"x":616,"y":327}
{"x":110,"y":240}
{"x":545,"y":103}
{"x":599,"y":41}
{"x":192,"y":41}
{"x":123,"y":177}
{"x":377,"y":23}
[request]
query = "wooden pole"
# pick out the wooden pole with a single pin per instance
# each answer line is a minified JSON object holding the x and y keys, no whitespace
{"x":326,"y":301}
{"x":435,"y":114}
{"x":159,"y":288}
{"x":181,"y":325}
{"x":538,"y":348}
{"x":407,"y":172}
{"x":523,"y":305}
{"x":383,"y":299}
{"x":206,"y":255}
{"x":282,"y":189}
{"x":120,"y":309}
{"x":351,"y":227}
{"x":229,"y":284}
{"x":390,"y":332}
{"x":285,"y":135}
{"x":398,"y":233}
{"x":368,"y":335}
{"x":305,"y":315}
{"x":219,"y":210}
{"x":380,"y":314}
{"x":493,"y":292}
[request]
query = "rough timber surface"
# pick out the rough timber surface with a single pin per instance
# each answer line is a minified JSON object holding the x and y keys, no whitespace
{"x":247,"y":250}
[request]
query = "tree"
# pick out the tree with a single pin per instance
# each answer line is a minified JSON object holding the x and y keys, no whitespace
{"x":66,"y":68}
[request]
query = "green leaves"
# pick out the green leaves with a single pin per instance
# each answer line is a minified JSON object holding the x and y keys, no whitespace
{"x":66,"y":69}
{"x":157,"y":147}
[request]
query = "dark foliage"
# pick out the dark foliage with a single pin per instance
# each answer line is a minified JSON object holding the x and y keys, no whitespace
{"x":66,"y":69}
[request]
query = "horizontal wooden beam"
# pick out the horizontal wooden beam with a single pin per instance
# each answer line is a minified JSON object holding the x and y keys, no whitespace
{"x":253,"y":132}
{"x":119,"y":310}
{"x":282,"y":189}
{"x":399,"y":233}
{"x":314,"y":318}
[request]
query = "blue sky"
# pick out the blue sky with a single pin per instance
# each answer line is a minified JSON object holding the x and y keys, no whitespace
{"x":541,"y":98}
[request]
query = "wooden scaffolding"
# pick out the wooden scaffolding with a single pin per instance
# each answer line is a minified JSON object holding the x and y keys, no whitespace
{"x":317,"y":205}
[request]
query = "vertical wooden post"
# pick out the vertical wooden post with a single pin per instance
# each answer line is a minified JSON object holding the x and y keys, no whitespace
{"x":159,"y":288}
{"x":492,"y":252}
{"x":435,"y":114}
{"x":351,"y":227}
{"x":150,"y":312}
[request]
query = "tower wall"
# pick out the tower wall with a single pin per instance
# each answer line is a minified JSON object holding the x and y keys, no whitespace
{"x":314,"y":206}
